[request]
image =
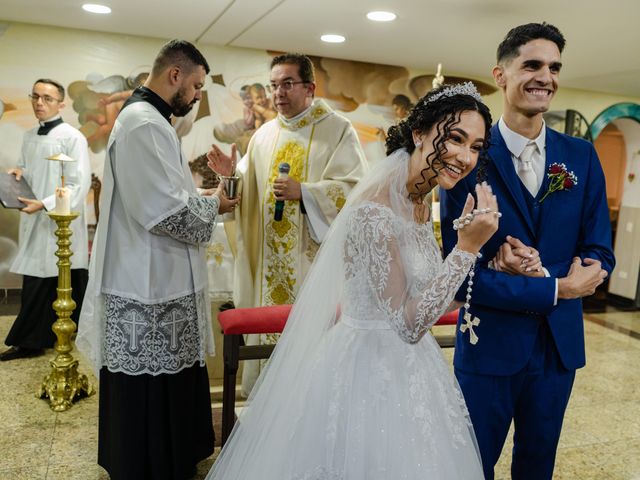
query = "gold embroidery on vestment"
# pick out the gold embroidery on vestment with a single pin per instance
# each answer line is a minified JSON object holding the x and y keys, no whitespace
{"x":215,"y":250}
{"x":335,"y":193}
{"x":281,"y":238}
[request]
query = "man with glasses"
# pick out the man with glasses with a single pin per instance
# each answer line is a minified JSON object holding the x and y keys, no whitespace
{"x":326,"y":161}
{"x":36,"y":261}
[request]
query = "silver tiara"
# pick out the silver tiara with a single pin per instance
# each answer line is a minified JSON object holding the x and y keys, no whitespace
{"x":466,"y":88}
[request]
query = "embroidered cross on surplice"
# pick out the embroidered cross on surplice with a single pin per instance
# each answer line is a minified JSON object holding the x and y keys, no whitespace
{"x":134,"y":320}
{"x":175,"y":318}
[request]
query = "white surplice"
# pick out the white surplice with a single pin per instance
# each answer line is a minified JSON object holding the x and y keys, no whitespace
{"x":37,"y":244}
{"x":146,"y":308}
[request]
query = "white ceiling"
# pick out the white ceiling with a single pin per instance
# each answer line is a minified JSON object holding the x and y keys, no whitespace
{"x":603,"y":37}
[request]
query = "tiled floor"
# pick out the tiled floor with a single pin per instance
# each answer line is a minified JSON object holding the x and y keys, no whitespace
{"x":601,"y":434}
{"x":600,"y":439}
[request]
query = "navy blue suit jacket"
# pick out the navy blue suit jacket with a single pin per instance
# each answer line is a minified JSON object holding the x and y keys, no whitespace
{"x":572,"y":223}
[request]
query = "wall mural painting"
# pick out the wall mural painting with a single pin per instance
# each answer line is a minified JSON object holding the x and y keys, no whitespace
{"x":8,"y":218}
{"x":346,"y":85}
{"x":98,"y":100}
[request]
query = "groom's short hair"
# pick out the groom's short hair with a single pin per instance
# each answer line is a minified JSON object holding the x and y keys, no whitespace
{"x":509,"y":48}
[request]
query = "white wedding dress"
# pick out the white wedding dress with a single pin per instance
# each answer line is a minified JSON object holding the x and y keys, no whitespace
{"x":357,"y":388}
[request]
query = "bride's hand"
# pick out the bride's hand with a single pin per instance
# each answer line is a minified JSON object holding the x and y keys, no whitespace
{"x":483,"y":219}
{"x":221,"y":163}
{"x":516,"y":258}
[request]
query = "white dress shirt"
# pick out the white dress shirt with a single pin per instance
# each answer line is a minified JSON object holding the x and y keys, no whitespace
{"x":515,"y":144}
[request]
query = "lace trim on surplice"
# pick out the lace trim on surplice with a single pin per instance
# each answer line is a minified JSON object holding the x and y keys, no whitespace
{"x":154,"y":339}
{"x":193,"y":223}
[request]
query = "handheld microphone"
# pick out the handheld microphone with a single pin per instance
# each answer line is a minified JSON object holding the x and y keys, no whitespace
{"x":283,"y":170}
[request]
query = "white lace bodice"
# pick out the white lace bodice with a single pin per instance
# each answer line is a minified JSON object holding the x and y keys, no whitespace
{"x":394,"y":272}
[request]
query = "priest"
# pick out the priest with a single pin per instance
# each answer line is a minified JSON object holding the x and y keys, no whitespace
{"x":145,"y":323}
{"x":325,"y":161}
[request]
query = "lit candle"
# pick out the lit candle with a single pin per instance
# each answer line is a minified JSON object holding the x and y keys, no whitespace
{"x":63,"y":201}
{"x":435,"y":211}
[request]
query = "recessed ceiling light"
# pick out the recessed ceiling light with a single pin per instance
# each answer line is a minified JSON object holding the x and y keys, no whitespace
{"x":95,"y":8}
{"x":330,"y":38}
{"x":381,"y":16}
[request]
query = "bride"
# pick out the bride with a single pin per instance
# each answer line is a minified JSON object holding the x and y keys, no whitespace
{"x":356,"y":388}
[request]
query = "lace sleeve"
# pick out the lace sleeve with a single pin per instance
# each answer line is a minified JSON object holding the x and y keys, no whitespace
{"x":411,"y":311}
{"x":434,"y":301}
{"x":192,"y":224}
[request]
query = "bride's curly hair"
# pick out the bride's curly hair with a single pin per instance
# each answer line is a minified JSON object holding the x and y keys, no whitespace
{"x":443,"y":114}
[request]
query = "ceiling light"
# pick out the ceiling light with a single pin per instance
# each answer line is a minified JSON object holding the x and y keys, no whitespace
{"x":381,"y":16}
{"x":330,"y":38}
{"x":95,"y":8}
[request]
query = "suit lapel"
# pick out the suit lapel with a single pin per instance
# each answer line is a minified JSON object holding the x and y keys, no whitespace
{"x":501,"y":158}
{"x":554,"y":153}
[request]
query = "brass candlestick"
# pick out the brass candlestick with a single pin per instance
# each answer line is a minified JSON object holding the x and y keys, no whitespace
{"x":437,"y":232}
{"x":435,"y":215}
{"x":64,"y":384}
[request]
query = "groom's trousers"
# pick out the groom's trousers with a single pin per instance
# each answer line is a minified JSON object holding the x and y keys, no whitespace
{"x":535,"y":398}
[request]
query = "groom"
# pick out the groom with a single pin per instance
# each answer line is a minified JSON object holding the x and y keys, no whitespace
{"x":551,"y":192}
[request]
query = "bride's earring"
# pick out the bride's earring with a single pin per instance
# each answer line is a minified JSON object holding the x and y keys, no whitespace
{"x":418,"y":144}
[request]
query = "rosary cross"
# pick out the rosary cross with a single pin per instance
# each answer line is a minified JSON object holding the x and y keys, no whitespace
{"x":468,"y":325}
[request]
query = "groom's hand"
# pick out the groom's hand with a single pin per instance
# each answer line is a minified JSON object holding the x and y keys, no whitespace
{"x":582,"y":280}
{"x":516,"y":258}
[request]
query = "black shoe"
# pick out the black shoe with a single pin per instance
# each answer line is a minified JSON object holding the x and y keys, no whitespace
{"x":14,"y":353}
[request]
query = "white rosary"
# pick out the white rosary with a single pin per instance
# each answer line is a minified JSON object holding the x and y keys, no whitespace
{"x":460,"y":223}
{"x":469,"y":320}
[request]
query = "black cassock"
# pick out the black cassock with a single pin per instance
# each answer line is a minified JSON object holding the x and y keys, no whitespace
{"x":32,"y":327}
{"x":164,"y":433}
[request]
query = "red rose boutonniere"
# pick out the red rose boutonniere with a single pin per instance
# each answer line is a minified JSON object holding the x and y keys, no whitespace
{"x":560,"y":179}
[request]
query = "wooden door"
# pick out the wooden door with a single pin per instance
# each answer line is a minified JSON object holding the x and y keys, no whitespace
{"x":613,"y":157}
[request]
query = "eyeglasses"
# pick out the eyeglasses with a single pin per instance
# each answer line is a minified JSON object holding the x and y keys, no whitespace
{"x":287,"y":85}
{"x":45,"y":98}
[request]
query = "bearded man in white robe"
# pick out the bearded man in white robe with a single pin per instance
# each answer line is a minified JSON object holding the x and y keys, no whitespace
{"x":146,"y":319}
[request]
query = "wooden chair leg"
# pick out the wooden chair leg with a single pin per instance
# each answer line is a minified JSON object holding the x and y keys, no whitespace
{"x":231,"y":359}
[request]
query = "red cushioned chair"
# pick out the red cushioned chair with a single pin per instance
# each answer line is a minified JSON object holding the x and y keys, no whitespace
{"x":243,"y":321}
